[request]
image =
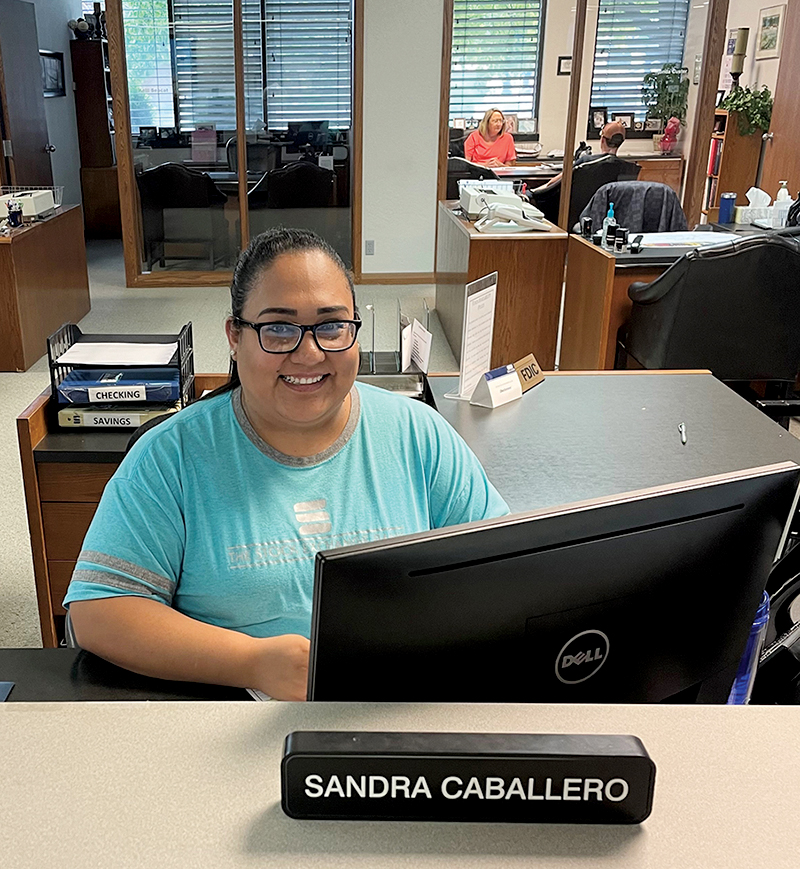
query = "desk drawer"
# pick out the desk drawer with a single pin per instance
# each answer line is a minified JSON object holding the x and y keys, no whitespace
{"x":60,"y":573}
{"x":65,"y":526}
{"x":68,"y":481}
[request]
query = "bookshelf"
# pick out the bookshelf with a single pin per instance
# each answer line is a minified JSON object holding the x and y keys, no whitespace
{"x":732,"y":161}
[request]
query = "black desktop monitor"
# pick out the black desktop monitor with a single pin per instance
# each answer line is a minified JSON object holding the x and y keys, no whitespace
{"x":642,"y":597}
{"x":314,"y":133}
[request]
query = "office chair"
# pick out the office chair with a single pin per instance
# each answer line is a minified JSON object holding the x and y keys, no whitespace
{"x":587,"y":179}
{"x":732,"y":309}
{"x":456,"y":143}
{"x":183,"y":206}
{"x":641,"y":206}
{"x":302,"y":184}
{"x":459,"y":169}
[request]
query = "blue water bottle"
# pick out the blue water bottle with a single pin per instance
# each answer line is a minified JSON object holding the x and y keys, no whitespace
{"x":727,"y":203}
{"x":743,"y":683}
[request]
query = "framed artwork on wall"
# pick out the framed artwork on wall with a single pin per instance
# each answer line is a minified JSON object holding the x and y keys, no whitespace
{"x":770,"y":32}
{"x":624,"y":118}
{"x":564,"y":65}
{"x":52,"y":73}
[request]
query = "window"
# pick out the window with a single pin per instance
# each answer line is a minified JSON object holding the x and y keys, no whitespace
{"x":634,"y":37}
{"x":181,"y":71}
{"x":495,"y":59}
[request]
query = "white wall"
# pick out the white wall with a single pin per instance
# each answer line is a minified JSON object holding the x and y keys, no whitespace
{"x":402,"y":70}
{"x":744,"y":13}
{"x":51,"y":26}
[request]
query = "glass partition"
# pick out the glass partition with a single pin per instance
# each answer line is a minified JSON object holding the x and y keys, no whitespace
{"x":297,"y":69}
{"x":181,"y":84}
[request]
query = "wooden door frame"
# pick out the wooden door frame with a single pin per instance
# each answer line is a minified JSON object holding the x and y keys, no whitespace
{"x":128,"y":195}
{"x":572,"y":114}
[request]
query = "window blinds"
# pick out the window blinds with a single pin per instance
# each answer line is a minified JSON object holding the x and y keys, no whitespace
{"x":495,"y":57}
{"x":634,"y":37}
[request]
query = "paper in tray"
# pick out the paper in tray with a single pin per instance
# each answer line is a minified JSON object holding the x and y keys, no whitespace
{"x":95,"y":386}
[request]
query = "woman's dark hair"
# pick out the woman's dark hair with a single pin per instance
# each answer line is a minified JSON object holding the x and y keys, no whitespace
{"x":261,"y":253}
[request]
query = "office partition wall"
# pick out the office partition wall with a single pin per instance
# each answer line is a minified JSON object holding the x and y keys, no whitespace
{"x":231,"y":116}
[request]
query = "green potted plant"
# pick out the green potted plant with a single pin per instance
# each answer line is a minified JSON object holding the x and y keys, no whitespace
{"x":753,"y":107}
{"x":666,"y":95}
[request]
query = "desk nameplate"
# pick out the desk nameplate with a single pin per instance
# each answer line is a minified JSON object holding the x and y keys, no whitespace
{"x":468,"y":777}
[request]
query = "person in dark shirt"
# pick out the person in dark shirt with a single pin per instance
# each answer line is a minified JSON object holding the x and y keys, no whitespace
{"x":611,"y":138}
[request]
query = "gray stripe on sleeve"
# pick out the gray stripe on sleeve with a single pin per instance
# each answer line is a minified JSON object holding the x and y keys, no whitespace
{"x":113,"y":563}
{"x":114,"y":580}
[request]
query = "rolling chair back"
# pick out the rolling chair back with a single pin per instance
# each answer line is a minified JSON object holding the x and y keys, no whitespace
{"x":641,"y":206}
{"x":733,"y":309}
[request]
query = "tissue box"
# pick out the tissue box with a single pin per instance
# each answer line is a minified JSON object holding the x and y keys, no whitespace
{"x":747,"y":214}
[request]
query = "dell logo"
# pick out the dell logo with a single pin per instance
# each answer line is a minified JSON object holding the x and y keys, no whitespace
{"x":581,"y":657}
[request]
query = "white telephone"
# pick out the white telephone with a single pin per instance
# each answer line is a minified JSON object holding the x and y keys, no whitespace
{"x":511,"y":218}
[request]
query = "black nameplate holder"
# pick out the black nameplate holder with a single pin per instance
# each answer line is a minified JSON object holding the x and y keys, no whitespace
{"x":491,"y":777}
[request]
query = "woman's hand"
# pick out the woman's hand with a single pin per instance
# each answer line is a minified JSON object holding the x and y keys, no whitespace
{"x":280,"y":667}
{"x":493,"y":162}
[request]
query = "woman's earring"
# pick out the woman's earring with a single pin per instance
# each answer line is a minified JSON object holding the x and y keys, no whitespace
{"x":233,"y":355}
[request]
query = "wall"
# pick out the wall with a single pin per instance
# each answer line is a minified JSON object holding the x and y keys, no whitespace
{"x":51,"y":26}
{"x":402,"y":70}
{"x":744,"y":13}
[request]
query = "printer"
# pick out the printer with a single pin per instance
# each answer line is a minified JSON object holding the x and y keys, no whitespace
{"x":35,"y":203}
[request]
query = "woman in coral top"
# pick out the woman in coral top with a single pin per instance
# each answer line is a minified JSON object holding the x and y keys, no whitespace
{"x":490,"y":145}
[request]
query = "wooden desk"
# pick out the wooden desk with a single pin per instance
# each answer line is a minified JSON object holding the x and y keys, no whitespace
{"x":530,"y":267}
{"x":193,"y":785}
{"x":663,"y":169}
{"x":43,"y":284}
{"x":596,"y":299}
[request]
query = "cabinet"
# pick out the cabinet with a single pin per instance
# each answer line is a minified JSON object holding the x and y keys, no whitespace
{"x":732,"y":160}
{"x":96,"y":136}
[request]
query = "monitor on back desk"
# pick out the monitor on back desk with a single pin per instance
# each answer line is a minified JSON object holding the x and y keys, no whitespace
{"x":642,"y":597}
{"x":313,"y":133}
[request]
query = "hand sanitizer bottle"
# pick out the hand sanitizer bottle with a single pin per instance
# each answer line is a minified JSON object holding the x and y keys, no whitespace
{"x":609,"y":228}
{"x":783,"y":192}
{"x":780,"y":210}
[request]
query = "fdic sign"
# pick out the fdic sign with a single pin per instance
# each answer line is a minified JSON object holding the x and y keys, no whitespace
{"x":495,"y":777}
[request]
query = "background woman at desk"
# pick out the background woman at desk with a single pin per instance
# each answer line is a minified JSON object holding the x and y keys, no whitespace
{"x":199,"y":562}
{"x":490,"y":145}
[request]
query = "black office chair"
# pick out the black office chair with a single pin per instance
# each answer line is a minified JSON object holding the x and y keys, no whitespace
{"x":587,"y":179}
{"x":456,"y":143}
{"x":181,"y":206}
{"x":733,"y":309}
{"x":459,"y":169}
{"x":641,"y":206}
{"x":301,"y":184}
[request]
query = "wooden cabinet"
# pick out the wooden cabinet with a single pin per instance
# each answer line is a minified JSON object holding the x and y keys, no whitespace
{"x":732,"y":160}
{"x":664,"y":170}
{"x":43,"y":284}
{"x":92,"y":77}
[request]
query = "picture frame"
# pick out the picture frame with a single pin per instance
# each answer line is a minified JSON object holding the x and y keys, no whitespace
{"x":52,"y":73}
{"x":769,"y":35}
{"x":627,"y":119}
{"x":564,"y":64}
{"x":512,"y":123}
{"x":653,"y":125}
{"x":598,"y":118}
{"x":720,"y":98}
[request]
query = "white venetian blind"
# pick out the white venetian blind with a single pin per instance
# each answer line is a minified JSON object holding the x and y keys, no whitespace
{"x":634,"y":37}
{"x":204,"y":64}
{"x":495,"y":57}
{"x":308,"y":50}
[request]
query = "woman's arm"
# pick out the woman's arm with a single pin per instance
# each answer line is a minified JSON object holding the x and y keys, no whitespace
{"x":511,"y":150}
{"x":153,"y":639}
{"x":469,"y":147}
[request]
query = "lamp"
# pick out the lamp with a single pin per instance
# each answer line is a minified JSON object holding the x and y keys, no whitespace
{"x":739,"y":53}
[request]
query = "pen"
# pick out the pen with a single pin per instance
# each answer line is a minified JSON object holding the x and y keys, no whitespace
{"x":682,"y":430}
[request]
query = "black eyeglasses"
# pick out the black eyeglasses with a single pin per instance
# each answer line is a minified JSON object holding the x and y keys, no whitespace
{"x":332,"y":336}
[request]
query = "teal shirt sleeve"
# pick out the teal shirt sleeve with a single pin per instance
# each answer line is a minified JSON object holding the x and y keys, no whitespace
{"x":135,"y":543}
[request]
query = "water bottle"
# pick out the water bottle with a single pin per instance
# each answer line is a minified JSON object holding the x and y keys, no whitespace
{"x":743,"y":683}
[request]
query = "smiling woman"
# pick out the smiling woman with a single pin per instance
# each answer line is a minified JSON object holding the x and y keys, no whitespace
{"x":199,"y":562}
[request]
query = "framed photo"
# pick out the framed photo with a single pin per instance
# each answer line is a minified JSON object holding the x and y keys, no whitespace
{"x":720,"y":98}
{"x":512,"y":124}
{"x":638,"y":126}
{"x":624,"y":118}
{"x":598,"y":118}
{"x":770,"y":32}
{"x":52,"y":73}
{"x":147,"y":135}
{"x":564,"y":64}
{"x":653,"y":125}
